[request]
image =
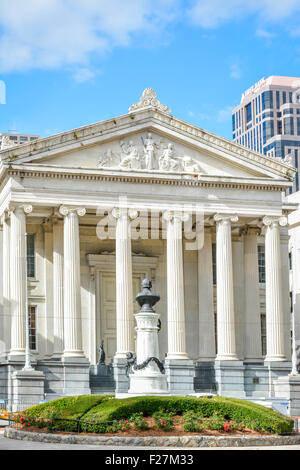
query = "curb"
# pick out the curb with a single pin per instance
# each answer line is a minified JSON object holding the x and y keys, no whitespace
{"x":164,"y":441}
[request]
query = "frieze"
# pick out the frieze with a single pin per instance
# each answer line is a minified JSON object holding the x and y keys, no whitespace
{"x":148,"y":153}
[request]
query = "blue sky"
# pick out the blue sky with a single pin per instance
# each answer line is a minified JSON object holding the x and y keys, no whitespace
{"x":67,"y":63}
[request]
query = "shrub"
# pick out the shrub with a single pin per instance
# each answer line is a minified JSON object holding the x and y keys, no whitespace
{"x":64,"y":414}
{"x":102,"y":413}
{"x":256,"y":416}
{"x":124,"y":425}
{"x":215,"y":422}
{"x":139,"y":422}
{"x":164,"y":421}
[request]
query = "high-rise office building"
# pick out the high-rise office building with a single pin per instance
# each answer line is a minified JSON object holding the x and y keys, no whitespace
{"x":16,"y":139}
{"x":268,"y":119}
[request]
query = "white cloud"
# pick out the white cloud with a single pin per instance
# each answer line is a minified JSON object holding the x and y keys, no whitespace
{"x":225,"y":114}
{"x":265,"y":34}
{"x":215,"y":12}
{"x":235,"y":71}
{"x":56,"y":33}
{"x":83,"y":75}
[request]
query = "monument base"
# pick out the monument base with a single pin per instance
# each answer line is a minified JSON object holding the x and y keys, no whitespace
{"x":151,"y":383}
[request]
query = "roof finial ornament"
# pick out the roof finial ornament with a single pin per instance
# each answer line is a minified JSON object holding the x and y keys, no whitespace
{"x":149,"y":100}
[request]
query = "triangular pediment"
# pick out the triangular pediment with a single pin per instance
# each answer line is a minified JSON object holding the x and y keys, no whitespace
{"x":150,"y":151}
{"x":148,"y":139}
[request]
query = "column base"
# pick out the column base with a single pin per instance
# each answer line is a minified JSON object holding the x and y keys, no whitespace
{"x":276,"y":358}
{"x":230,"y":378}
{"x":180,"y":376}
{"x":227,"y":357}
{"x":73,"y":354}
{"x":177,"y":357}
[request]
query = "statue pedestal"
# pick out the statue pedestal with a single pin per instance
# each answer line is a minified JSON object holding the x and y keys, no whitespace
{"x":147,"y":377}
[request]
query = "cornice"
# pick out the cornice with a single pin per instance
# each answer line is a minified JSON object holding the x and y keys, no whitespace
{"x":142,"y":177}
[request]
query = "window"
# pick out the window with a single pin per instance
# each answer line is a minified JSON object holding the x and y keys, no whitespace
{"x":248,"y":112}
{"x":214,"y":263}
{"x":30,"y":255}
{"x":277,"y":100}
{"x":261,"y":264}
{"x":283,"y":97}
{"x":298,"y":126}
{"x":263,"y":330}
{"x":288,"y":111}
{"x":267,"y":100}
{"x":268,"y":130}
{"x":233,"y":122}
{"x":268,"y":114}
{"x":289,"y":126}
{"x":32,"y":327}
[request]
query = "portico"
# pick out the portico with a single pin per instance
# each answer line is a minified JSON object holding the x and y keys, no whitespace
{"x":101,"y":223}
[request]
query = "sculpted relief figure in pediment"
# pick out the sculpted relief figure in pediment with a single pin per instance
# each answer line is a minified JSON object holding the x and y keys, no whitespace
{"x":148,"y":154}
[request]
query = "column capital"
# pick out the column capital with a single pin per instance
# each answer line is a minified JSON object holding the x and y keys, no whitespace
{"x":270,"y":220}
{"x":12,"y":207}
{"x":225,"y":218}
{"x":4,"y":216}
{"x":66,"y":210}
{"x":170,"y":215}
{"x":121,"y":212}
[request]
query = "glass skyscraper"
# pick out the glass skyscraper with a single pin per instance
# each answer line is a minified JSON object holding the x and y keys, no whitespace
{"x":268,"y":119}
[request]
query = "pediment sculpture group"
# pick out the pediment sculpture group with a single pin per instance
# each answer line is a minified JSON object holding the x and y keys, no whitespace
{"x":149,"y":154}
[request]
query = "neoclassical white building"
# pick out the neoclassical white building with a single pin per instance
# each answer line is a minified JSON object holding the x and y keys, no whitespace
{"x":144,"y":195}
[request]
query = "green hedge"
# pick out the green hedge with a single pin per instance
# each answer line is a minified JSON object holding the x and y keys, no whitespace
{"x":65,"y":412}
{"x":94,"y":411}
{"x":255,"y":416}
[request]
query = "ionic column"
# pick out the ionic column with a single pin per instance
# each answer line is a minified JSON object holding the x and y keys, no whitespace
{"x":72,"y":300}
{"x":252,"y":333}
{"x":18,"y":277}
{"x":225,"y":299}
{"x":274,"y":310}
{"x":58,"y":286}
{"x":6,"y":279}
{"x":175,"y":286}
{"x":124,"y":294}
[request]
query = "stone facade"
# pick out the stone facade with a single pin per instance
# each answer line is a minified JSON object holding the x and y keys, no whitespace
{"x":145,"y":195}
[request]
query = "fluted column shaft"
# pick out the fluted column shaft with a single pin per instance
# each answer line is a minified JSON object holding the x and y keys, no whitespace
{"x":124,"y":293}
{"x":18,"y":277}
{"x":58,"y":286}
{"x":175,"y":287}
{"x":225,"y":299}
{"x":253,"y":348}
{"x":6,"y":278}
{"x":72,"y":299}
{"x":274,"y":309}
